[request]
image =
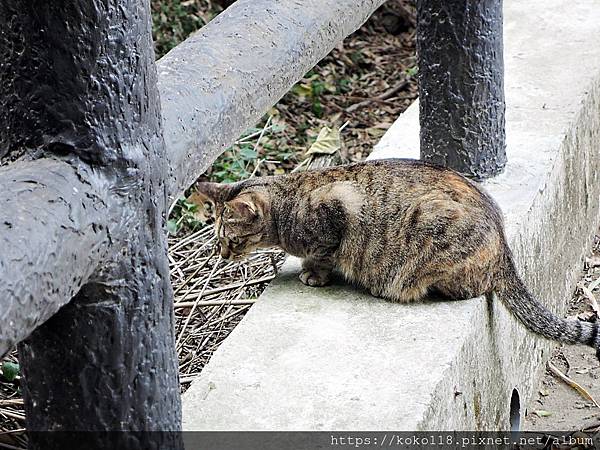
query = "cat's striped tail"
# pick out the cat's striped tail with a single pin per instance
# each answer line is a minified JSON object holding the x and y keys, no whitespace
{"x":536,"y":317}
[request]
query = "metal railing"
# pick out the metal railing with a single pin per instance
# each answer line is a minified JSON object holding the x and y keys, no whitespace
{"x":102,"y":140}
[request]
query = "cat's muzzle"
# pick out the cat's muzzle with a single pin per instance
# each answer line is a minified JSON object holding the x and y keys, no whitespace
{"x":228,"y":254}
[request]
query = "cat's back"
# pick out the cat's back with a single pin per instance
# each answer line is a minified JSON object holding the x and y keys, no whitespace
{"x":391,"y":182}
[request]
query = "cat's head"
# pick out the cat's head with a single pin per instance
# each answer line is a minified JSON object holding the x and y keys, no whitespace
{"x":242,"y":217}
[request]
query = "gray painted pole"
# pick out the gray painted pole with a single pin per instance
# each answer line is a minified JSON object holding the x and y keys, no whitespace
{"x":461,"y":85}
{"x":79,"y":90}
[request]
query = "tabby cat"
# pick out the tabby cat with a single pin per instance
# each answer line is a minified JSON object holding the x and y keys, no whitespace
{"x":400,"y":228}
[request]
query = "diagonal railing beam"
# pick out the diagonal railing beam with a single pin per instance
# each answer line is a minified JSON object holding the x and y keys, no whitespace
{"x":251,"y":55}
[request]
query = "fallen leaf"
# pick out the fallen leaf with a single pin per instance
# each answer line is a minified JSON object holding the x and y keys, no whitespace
{"x":328,"y":142}
{"x":580,"y":389}
{"x":376,"y":132}
{"x":204,"y":212}
{"x":544,"y":393}
{"x":383,"y":125}
{"x":542,"y":413}
{"x":302,"y":90}
{"x":586,"y":316}
{"x":591,"y":298}
{"x":594,"y":284}
{"x":198,"y":198}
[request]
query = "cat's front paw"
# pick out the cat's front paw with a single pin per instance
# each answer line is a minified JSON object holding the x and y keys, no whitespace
{"x":314,"y":279}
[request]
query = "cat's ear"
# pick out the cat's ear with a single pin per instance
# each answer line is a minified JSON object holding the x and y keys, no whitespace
{"x":249,"y":206}
{"x":215,"y":193}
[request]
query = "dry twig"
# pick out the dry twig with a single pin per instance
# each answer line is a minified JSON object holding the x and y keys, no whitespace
{"x":580,"y":389}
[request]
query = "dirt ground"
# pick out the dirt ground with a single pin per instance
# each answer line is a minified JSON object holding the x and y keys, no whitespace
{"x":559,"y":406}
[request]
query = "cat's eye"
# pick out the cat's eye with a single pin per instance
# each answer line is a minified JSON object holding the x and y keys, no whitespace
{"x":235,"y":240}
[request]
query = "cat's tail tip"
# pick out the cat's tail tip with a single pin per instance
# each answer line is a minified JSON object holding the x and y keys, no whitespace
{"x":597,"y":343}
{"x":593,"y":336}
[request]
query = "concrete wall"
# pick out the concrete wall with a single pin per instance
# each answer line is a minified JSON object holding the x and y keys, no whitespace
{"x":336,"y":358}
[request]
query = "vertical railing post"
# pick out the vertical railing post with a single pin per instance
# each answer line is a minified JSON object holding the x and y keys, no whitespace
{"x":79,"y":84}
{"x":461,"y":85}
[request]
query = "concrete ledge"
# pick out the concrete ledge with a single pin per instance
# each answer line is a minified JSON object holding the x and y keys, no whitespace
{"x":336,"y":358}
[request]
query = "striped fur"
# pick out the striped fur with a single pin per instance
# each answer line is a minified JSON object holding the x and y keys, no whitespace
{"x":400,"y":228}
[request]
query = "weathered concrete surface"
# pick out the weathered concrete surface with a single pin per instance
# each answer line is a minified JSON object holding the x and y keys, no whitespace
{"x":335,"y":358}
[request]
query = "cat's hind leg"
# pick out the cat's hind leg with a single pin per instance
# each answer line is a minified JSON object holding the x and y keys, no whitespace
{"x":405,"y":291}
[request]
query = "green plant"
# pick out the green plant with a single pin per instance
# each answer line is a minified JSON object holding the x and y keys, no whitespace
{"x":10,"y":370}
{"x":232,"y":165}
{"x":412,"y":71}
{"x":184,"y":216}
{"x":343,"y":86}
{"x":312,"y":87}
{"x":175,"y":20}
{"x":357,"y":57}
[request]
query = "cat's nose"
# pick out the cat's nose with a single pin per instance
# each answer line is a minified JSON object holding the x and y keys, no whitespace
{"x":225,"y":252}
